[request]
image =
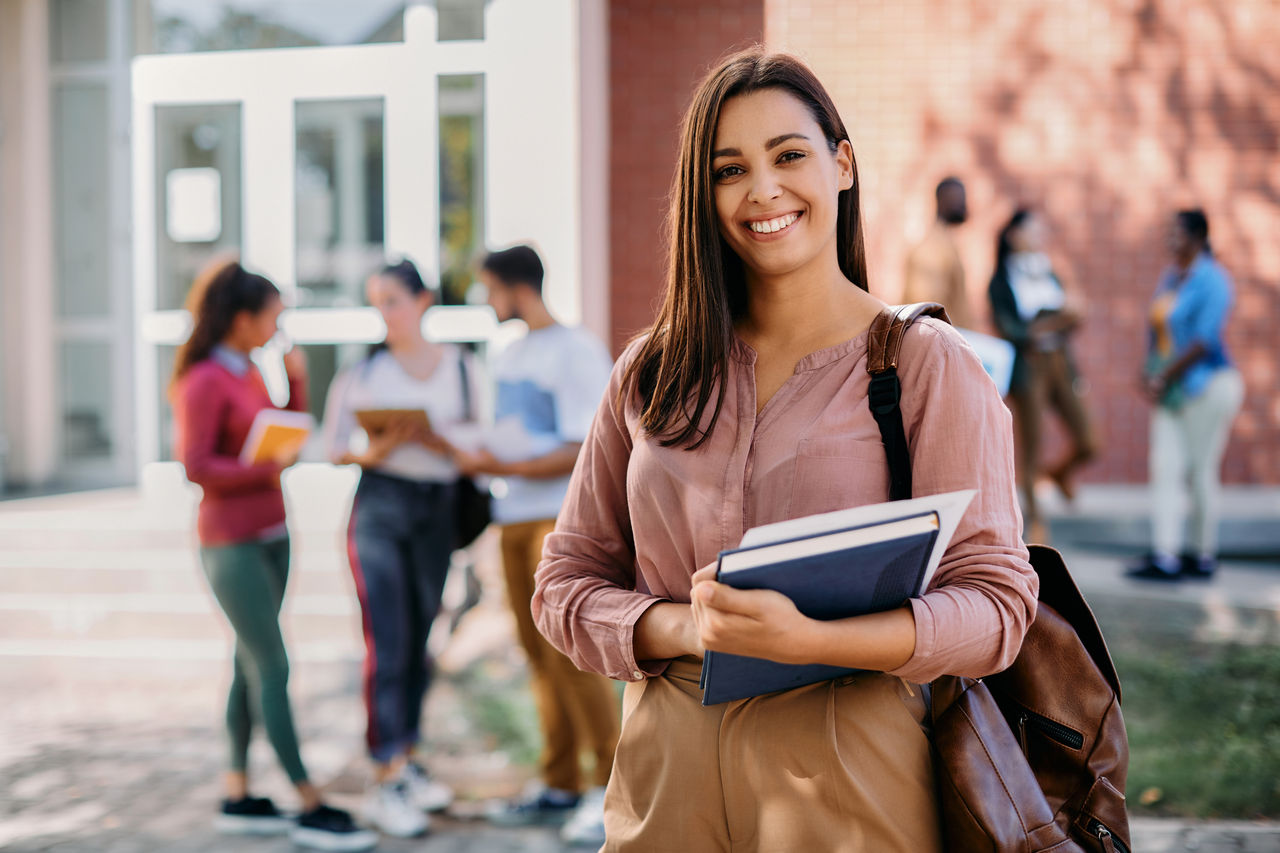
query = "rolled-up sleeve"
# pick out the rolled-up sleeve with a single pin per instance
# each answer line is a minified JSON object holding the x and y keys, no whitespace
{"x":585,"y":602}
{"x":982,"y":599}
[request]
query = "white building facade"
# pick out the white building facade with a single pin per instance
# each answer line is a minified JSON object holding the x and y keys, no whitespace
{"x":139,"y":139}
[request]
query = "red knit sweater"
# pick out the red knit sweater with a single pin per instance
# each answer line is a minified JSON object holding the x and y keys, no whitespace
{"x":213,"y":410}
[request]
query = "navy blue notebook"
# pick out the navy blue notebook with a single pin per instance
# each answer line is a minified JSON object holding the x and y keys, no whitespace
{"x":833,"y":575}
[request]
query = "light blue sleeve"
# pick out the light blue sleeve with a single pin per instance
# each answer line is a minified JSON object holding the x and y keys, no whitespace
{"x":581,"y":384}
{"x":1209,"y":309}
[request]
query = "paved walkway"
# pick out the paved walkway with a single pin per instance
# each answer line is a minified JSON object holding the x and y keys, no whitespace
{"x":112,"y":658}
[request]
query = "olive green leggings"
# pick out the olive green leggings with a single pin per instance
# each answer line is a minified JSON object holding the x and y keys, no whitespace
{"x":248,"y":579}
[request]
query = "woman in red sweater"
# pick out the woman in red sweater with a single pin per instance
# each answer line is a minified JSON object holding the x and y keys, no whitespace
{"x":216,"y":392}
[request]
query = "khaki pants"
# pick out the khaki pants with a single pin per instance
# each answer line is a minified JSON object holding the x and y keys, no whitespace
{"x":837,"y":767}
{"x":1187,"y":447}
{"x":1050,"y":384}
{"x":578,"y":711}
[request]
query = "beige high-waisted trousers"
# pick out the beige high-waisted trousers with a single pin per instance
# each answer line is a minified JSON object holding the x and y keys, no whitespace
{"x":841,"y":766}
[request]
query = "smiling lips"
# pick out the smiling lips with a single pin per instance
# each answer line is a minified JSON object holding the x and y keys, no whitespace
{"x":772,"y":226}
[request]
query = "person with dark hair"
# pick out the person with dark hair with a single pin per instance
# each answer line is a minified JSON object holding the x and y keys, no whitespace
{"x":1034,"y":312}
{"x":548,"y":384}
{"x":1197,"y":393}
{"x":401,"y":531}
{"x":216,"y":393}
{"x":935,"y":272}
{"x":746,"y":403}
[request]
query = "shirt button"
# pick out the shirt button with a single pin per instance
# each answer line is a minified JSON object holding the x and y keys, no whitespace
{"x":637,"y":675}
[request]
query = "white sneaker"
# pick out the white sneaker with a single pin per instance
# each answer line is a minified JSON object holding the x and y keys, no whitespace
{"x":425,"y":791}
{"x":388,"y":809}
{"x":586,"y":824}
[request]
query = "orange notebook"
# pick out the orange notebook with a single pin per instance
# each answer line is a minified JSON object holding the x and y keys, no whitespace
{"x":374,"y":421}
{"x":276,"y":434}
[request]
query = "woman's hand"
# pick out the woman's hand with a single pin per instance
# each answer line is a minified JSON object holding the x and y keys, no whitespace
{"x":382,"y":443}
{"x":295,"y":363}
{"x":471,"y":463}
{"x":758,"y":623}
{"x":1155,"y":386}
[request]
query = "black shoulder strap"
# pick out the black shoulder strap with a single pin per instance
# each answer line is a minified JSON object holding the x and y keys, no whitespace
{"x":884,"y":342}
{"x":466,"y":386}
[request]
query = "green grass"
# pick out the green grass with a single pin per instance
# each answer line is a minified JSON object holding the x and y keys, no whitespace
{"x":1203,"y":716}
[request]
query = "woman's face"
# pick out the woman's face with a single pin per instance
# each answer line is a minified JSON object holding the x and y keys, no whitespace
{"x":401,"y":310}
{"x":1177,"y":239}
{"x":1030,"y":235}
{"x":254,"y":329}
{"x":776,"y":182}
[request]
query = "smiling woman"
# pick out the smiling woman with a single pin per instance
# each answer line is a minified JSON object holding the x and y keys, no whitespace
{"x":747,"y":403}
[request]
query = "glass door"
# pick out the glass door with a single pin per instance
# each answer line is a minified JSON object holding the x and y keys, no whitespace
{"x":319,"y":164}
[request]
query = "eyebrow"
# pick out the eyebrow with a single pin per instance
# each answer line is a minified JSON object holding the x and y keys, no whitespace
{"x":772,"y":143}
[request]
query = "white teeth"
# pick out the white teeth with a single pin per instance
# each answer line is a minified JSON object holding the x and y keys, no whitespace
{"x":771,"y":225}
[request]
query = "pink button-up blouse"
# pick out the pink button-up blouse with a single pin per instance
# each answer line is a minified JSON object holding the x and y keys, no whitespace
{"x":641,"y":518}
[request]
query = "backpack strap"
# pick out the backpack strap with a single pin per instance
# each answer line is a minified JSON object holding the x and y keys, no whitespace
{"x":884,"y":341}
{"x":467,"y":413}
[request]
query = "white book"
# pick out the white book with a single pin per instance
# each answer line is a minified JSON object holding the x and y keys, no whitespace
{"x":274,"y":434}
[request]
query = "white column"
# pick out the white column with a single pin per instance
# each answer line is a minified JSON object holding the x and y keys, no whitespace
{"x":30,"y":360}
{"x":531,"y":144}
{"x":593,"y":165}
{"x":412,"y":157}
{"x":267,"y":154}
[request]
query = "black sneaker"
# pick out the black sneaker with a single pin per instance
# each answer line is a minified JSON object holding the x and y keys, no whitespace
{"x":1197,"y":568}
{"x":549,"y":806}
{"x":251,"y":816}
{"x":1154,"y":568}
{"x":327,"y":828}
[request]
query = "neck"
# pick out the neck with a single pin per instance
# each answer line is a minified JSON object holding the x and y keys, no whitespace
{"x":535,"y":314}
{"x":1186,"y":259}
{"x":409,"y":346}
{"x":238,"y":346}
{"x":778,"y":307}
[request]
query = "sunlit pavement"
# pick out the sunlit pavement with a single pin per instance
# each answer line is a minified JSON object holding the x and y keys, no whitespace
{"x":113,"y":665}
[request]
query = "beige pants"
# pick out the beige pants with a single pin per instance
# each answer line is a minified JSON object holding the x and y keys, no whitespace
{"x":837,"y":766}
{"x":577,"y":711}
{"x":1186,"y":448}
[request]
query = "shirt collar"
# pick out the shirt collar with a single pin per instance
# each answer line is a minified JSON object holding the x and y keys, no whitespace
{"x":233,"y":360}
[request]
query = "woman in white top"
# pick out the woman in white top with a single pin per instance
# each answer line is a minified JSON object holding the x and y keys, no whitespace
{"x":1035,"y":314}
{"x":400,"y":537}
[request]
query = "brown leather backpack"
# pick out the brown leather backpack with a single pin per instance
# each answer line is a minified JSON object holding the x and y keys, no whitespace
{"x":1033,"y":758}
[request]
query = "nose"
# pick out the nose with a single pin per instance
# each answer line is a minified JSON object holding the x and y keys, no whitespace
{"x":764,"y":186}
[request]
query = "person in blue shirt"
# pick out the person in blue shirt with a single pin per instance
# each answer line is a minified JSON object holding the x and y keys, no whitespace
{"x":1197,"y":392}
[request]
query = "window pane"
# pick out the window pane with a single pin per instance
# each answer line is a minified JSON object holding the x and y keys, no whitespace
{"x":82,"y":185}
{"x":461,"y":182}
{"x":78,"y":30}
{"x":459,"y":20}
{"x":339,"y":200}
{"x":165,"y":358}
{"x":181,"y":26}
{"x":197,"y":193}
{"x":86,"y":400}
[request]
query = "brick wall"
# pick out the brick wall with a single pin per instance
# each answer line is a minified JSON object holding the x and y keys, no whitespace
{"x":658,"y":51}
{"x":1106,"y":114}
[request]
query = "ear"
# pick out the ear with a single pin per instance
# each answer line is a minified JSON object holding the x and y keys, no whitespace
{"x":844,"y":164}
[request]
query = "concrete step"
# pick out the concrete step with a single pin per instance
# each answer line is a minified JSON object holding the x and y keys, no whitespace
{"x":1118,"y":519}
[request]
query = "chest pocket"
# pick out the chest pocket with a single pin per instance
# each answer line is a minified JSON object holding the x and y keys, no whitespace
{"x":834,"y":472}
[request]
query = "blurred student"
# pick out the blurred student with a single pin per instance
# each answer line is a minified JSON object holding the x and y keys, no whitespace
{"x":935,"y":272}
{"x":1197,"y":393}
{"x":548,"y":386}
{"x":1034,"y":313}
{"x":216,"y":392}
{"x":401,"y":532}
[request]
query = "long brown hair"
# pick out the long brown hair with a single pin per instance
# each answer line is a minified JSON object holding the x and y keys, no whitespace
{"x":683,"y":359}
{"x":220,"y":292}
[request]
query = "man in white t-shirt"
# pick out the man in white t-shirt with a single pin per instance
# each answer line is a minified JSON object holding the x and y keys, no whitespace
{"x":549,"y":384}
